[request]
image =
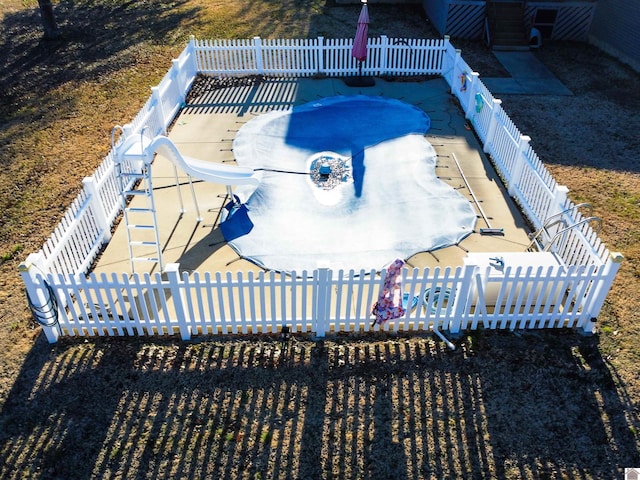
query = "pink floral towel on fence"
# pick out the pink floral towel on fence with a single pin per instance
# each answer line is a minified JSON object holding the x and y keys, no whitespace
{"x":389,"y":304}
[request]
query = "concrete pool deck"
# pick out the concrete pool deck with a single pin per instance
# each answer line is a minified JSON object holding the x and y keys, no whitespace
{"x":206,"y":127}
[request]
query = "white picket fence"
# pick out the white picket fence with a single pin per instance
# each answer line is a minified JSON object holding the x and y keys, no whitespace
{"x":308,"y":57}
{"x":67,"y":301}
{"x":452,"y":299}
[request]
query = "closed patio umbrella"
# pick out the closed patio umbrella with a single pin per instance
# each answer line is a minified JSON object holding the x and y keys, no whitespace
{"x":359,"y":49}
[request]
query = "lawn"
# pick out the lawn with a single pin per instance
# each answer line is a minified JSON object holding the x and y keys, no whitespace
{"x":503,"y":405}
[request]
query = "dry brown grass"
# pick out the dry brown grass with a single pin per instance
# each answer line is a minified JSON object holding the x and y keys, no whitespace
{"x":539,"y":405}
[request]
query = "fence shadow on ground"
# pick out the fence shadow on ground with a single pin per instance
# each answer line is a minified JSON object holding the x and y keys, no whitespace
{"x":502,"y":405}
{"x":253,"y":94}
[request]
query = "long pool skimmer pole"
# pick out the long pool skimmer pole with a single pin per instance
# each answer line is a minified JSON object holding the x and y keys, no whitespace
{"x":483,"y":231}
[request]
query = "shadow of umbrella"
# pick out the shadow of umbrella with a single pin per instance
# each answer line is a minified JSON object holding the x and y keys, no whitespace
{"x":350,"y":127}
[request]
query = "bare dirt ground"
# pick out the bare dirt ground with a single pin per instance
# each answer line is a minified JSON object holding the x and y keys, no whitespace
{"x":503,"y":405}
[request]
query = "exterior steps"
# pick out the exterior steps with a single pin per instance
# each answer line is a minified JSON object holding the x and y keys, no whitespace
{"x":506,"y":25}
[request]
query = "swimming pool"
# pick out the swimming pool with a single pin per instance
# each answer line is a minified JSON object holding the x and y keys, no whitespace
{"x":346,"y":182}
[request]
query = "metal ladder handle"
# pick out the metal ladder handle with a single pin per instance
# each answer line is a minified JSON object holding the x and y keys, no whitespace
{"x":564,"y":212}
{"x":588,"y":220}
{"x":551,"y":221}
{"x":113,"y":136}
{"x":536,"y":235}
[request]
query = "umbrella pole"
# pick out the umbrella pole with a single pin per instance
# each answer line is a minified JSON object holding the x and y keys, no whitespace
{"x":360,"y":69}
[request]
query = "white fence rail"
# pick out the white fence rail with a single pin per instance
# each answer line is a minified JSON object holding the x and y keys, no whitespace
{"x":55,"y":276}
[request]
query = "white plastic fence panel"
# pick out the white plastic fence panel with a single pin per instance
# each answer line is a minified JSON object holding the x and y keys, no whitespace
{"x":534,"y":189}
{"x":297,"y":57}
{"x":353,"y":299}
{"x":97,"y":305}
{"x":226,"y":57}
{"x":520,"y":297}
{"x":247,"y":303}
{"x":108,"y":188}
{"x":504,"y":147}
{"x":483,"y":109}
{"x":76,"y":240}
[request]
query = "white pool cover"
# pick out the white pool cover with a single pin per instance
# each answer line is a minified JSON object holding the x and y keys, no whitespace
{"x":346,"y":183}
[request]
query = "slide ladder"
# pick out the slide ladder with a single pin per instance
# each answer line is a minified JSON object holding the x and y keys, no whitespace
{"x":133,"y":157}
{"x":134,"y":179}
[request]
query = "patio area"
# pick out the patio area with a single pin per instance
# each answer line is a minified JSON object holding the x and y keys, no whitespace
{"x":206,"y":127}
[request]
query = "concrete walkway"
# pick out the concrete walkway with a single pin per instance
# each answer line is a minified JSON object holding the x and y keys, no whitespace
{"x":529,"y":76}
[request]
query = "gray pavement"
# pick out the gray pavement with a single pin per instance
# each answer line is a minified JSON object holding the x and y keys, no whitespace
{"x":529,"y":76}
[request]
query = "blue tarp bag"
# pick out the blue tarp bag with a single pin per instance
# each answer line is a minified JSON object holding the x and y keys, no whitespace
{"x":237,"y":222}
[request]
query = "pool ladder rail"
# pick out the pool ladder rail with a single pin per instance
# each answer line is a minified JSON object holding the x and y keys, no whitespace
{"x":559,"y":220}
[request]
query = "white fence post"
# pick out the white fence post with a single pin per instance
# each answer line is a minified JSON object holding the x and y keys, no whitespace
{"x":444,"y":57}
{"x":454,"y":70}
{"x":322,"y":301}
{"x":89,"y":185}
{"x":191,"y":49}
{"x":462,"y":299}
{"x":175,"y":77}
{"x":172,"y":270}
{"x":257,"y":52}
{"x":560,"y":194}
{"x":493,"y":123}
{"x":518,"y":166}
{"x":159,"y":109}
{"x":471,"y":92}
{"x":193,"y":46}
{"x":43,"y":303}
{"x":602,"y":288}
{"x":384,"y":55}
{"x":320,"y":53}
{"x":445,"y":47}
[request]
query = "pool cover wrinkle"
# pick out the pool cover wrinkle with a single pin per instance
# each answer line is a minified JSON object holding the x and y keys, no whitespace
{"x":394,"y":207}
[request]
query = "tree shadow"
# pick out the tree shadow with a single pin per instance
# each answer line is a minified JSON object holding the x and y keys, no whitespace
{"x":97,"y":37}
{"x":43,"y":130}
{"x":541,"y":405}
